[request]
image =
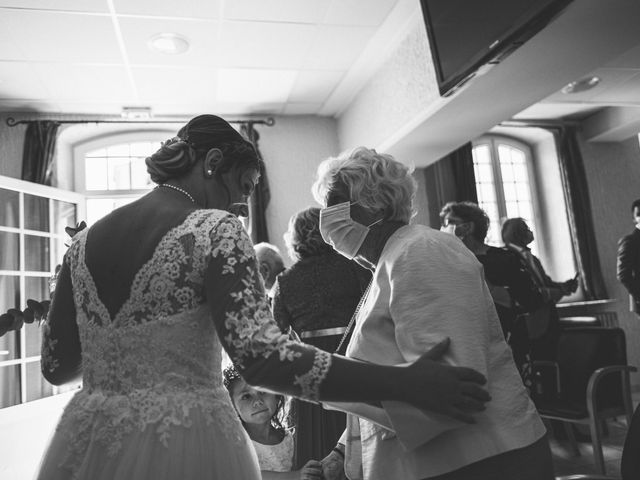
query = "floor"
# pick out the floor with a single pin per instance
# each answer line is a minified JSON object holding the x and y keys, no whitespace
{"x":566,"y":463}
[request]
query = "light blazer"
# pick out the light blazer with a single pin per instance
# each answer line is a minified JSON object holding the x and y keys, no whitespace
{"x":428,"y":286}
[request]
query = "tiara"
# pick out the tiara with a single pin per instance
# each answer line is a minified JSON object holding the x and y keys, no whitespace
{"x":230,"y":375}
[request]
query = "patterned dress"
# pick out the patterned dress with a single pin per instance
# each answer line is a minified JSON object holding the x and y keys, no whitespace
{"x":317,"y":294}
{"x":152,"y":404}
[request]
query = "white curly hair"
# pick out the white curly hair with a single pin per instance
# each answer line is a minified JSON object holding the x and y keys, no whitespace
{"x":376,"y":181}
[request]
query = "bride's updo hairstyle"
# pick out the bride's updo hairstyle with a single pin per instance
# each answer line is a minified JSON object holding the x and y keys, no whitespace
{"x":179,"y":154}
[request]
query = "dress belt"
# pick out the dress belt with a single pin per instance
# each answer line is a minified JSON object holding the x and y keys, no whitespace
{"x":324,"y":332}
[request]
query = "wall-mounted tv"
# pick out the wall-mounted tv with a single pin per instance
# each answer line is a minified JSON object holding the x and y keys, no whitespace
{"x":466,"y":35}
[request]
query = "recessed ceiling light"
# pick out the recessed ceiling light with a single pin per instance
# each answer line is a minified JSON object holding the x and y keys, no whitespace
{"x":168,"y":43}
{"x":581,"y":85}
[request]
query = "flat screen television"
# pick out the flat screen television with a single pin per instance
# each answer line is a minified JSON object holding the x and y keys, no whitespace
{"x":467,"y":35}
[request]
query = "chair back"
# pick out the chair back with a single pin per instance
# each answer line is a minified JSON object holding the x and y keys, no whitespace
{"x":583,"y":350}
{"x":630,"y":467}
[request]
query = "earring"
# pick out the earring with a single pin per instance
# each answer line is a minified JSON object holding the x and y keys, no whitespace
{"x":209,"y":173}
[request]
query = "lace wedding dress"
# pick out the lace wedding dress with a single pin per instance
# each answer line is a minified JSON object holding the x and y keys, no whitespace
{"x":152,"y":404}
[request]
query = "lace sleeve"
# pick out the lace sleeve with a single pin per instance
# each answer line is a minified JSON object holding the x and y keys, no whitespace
{"x":280,"y":312}
{"x":235,"y":292}
{"x":61,"y":353}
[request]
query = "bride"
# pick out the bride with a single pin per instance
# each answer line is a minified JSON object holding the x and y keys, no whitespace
{"x":146,"y":300}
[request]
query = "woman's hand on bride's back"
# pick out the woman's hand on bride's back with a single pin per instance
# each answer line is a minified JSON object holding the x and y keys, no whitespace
{"x":445,"y":389}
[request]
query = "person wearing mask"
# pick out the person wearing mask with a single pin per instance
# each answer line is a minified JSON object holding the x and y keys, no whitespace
{"x":426,"y":286}
{"x":511,"y":286}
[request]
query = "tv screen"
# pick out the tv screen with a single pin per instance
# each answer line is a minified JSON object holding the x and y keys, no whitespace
{"x":465,"y":35}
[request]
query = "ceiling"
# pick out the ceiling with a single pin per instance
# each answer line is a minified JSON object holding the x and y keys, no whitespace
{"x":244,"y":57}
{"x":292,"y":57}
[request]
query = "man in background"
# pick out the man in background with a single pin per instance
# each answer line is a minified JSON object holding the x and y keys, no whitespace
{"x":628,"y":264}
{"x":270,"y":263}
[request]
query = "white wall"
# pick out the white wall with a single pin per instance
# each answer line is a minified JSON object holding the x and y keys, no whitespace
{"x":402,"y":88}
{"x":613,"y":177}
{"x":292,"y":150}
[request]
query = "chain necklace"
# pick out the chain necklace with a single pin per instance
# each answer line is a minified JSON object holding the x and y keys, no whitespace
{"x":177,"y":189}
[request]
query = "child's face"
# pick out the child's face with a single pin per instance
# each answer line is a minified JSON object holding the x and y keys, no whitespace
{"x":253,"y":406}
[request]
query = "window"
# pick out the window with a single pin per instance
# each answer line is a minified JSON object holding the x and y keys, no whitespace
{"x":502,"y":171}
{"x":111,"y":172}
{"x":32,"y":222}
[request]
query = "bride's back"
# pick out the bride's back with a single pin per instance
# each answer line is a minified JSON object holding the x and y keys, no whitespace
{"x":122,"y":242}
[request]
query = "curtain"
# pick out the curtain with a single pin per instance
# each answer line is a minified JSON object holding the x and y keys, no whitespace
{"x":39,"y":148}
{"x":261,"y":195}
{"x":576,"y":193}
{"x":450,"y":179}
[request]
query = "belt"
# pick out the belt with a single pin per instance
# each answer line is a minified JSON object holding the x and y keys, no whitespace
{"x":324,"y":332}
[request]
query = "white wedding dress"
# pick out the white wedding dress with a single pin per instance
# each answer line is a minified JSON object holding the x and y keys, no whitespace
{"x":153,"y":405}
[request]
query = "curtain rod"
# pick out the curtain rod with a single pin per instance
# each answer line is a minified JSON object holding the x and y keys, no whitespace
{"x":12,"y":122}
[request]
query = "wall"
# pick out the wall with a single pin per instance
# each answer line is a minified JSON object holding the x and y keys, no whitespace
{"x":399,"y":91}
{"x":613,"y":176}
{"x":292,"y":150}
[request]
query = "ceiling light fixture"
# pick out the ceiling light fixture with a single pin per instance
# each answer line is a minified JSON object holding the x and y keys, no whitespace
{"x":168,"y":43}
{"x":581,"y":85}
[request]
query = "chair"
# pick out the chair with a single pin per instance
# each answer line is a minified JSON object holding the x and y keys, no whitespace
{"x":587,"y":384}
{"x":630,"y":463}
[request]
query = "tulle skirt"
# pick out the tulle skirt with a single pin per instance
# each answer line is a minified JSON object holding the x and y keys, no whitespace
{"x":197,"y":452}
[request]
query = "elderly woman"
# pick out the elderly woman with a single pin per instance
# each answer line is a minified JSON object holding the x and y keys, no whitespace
{"x":316,"y":297}
{"x":426,"y":286}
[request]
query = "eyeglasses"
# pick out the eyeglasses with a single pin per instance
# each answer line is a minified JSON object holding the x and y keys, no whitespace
{"x":446,"y":221}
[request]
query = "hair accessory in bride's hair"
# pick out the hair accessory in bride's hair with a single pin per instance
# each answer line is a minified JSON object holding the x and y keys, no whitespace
{"x":230,"y":375}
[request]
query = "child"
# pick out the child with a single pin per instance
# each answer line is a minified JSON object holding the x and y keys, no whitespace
{"x":261,"y":415}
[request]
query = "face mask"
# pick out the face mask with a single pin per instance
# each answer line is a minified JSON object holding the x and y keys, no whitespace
{"x":340,"y":231}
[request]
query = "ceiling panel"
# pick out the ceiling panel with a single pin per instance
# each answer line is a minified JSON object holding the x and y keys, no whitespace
{"x":175,"y":85}
{"x":265,"y":45}
{"x":358,"y":12}
{"x":202,"y":37}
{"x":169,"y":8}
{"x":336,"y":48}
{"x":295,"y":11}
{"x":259,"y":86}
{"x":314,"y":86}
{"x":60,"y":37}
{"x":87,"y":83}
{"x":19,"y":80}
{"x":64,"y":5}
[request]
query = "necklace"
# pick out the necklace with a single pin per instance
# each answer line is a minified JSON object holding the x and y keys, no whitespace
{"x":177,"y":189}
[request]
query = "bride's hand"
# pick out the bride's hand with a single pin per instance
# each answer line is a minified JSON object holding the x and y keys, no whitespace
{"x":452,"y":391}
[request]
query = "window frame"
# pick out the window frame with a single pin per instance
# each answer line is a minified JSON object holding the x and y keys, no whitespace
{"x":493,"y":141}
{"x":81,"y":149}
{"x":52,"y":194}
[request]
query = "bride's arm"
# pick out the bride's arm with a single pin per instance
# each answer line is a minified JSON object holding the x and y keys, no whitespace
{"x":61,"y":352}
{"x":268,"y":358}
